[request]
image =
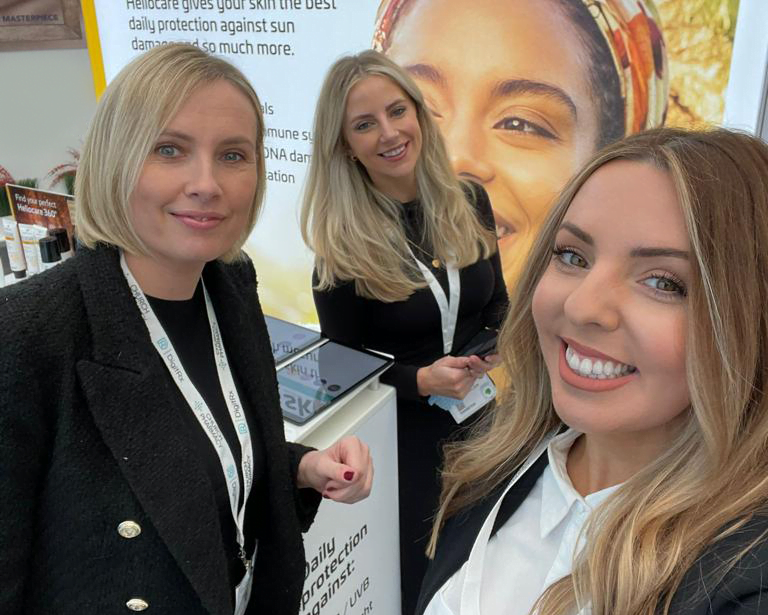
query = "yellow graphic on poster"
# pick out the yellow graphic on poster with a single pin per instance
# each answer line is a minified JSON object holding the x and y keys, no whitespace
{"x":524,"y":90}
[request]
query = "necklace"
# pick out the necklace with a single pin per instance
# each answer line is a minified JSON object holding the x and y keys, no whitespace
{"x":434,"y":261}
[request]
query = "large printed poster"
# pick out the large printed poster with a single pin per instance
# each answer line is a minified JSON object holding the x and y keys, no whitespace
{"x":524,"y":90}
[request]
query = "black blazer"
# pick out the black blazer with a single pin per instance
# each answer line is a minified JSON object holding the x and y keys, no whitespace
{"x":743,"y":591}
{"x":89,"y":438}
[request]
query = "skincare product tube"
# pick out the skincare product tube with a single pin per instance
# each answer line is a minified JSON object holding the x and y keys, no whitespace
{"x":30,"y":235}
{"x":49,"y":253}
{"x":63,"y":238}
{"x":13,"y":243}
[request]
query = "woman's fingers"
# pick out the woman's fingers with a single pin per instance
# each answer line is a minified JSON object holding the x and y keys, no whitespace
{"x":348,"y":470}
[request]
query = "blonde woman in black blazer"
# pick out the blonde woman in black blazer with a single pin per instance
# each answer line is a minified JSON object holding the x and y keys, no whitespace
{"x":119,"y":493}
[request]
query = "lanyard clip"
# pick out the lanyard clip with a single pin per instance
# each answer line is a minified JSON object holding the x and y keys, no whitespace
{"x":248,"y":564}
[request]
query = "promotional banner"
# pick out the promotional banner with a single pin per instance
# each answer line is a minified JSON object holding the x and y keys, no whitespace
{"x":36,"y":215}
{"x":524,"y":90}
{"x":40,"y":207}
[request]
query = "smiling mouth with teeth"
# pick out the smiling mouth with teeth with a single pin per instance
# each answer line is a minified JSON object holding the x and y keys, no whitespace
{"x":394,"y":153}
{"x":597,"y":369}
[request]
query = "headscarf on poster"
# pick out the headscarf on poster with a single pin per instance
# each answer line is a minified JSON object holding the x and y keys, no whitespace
{"x":632,"y":33}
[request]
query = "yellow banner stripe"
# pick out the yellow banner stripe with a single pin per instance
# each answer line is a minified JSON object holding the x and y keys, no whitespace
{"x":94,"y":47}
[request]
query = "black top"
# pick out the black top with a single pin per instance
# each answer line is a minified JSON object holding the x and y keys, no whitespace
{"x":410,"y":330}
{"x":186,"y":323}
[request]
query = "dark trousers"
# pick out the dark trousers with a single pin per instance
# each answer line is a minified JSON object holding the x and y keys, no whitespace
{"x":421,"y":431}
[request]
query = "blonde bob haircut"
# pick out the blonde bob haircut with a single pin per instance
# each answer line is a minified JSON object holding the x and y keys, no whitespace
{"x":714,"y":476}
{"x":354,"y":229}
{"x":131,"y":115}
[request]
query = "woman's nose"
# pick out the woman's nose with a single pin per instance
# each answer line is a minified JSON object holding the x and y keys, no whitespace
{"x":595,"y":301}
{"x":203,"y":183}
{"x":389,"y":131}
{"x":467,"y":149}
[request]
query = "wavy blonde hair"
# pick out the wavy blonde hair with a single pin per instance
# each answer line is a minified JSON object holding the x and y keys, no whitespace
{"x":354,"y":229}
{"x":131,"y":115}
{"x":714,"y":477}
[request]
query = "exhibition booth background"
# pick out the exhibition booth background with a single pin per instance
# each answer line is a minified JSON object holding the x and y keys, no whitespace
{"x":48,"y":98}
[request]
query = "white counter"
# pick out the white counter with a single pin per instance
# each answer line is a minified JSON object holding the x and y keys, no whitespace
{"x":352,"y":551}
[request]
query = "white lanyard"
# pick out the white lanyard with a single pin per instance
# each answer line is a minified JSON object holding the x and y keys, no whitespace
{"x":200,"y":409}
{"x":473,"y":578}
{"x":449,"y":306}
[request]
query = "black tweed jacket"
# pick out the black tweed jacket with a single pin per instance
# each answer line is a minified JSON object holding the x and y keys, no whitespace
{"x":88,"y":439}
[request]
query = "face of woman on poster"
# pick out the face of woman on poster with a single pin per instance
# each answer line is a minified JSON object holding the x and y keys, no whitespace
{"x":610,"y":310}
{"x":509,"y":84}
{"x":196,"y":189}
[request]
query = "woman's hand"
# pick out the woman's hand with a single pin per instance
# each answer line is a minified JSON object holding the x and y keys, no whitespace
{"x":448,"y":376}
{"x":343,"y":472}
{"x":479,"y":366}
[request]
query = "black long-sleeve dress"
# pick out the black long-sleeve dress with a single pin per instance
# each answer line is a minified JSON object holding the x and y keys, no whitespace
{"x":411,"y":331}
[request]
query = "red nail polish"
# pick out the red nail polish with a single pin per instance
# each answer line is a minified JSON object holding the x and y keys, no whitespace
{"x":349,"y":475}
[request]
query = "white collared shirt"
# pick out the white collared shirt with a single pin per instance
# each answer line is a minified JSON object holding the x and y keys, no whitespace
{"x":534,"y":548}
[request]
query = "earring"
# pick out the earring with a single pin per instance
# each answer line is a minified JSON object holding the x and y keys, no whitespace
{"x":353,"y":158}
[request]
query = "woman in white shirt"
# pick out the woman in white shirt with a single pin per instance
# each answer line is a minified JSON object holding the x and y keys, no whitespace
{"x":625,"y":470}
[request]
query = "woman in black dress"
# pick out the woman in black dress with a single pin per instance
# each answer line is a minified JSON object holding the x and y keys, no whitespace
{"x":406,"y":263}
{"x":144,"y":464}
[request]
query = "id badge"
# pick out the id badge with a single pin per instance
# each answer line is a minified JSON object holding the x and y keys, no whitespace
{"x":243,"y":590}
{"x":482,"y":392}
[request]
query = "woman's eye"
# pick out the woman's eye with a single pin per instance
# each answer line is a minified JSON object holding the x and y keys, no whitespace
{"x":233,"y":157}
{"x":398,"y":111}
{"x":363,"y":126}
{"x":665,"y":285}
{"x":167,"y":151}
{"x":570,"y":258}
{"x":518,"y":124}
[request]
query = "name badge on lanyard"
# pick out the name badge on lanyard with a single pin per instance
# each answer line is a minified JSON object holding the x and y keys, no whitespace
{"x":483,"y":391}
{"x":202,"y":412}
{"x":448,"y":305}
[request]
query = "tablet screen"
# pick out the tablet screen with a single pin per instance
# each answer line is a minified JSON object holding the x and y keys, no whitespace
{"x":314,"y":381}
{"x":288,"y":339}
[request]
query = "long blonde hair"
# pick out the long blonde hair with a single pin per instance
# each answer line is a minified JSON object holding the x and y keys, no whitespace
{"x":134,"y":110}
{"x":354,"y":229}
{"x":715,"y":475}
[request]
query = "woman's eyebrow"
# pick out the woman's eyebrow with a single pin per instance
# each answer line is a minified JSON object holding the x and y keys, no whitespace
{"x":516,"y":87}
{"x":175,"y":134}
{"x":239,"y":140}
{"x":427,"y":72}
{"x":652,"y":252}
{"x":181,"y":136}
{"x":394,"y":103}
{"x":639,"y":252}
{"x":576,"y":231}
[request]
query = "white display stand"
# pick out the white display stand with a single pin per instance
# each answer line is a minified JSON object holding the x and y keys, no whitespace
{"x":352,"y":551}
